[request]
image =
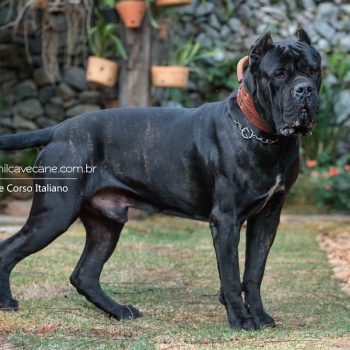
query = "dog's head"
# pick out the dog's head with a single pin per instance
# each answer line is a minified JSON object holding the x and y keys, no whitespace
{"x":284,"y":80}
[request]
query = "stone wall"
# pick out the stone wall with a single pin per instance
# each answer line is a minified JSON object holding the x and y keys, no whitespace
{"x":234,"y":29}
{"x":29,"y":100}
{"x":34,"y":102}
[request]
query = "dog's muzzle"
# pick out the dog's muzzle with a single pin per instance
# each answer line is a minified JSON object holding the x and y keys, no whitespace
{"x":302,"y":117}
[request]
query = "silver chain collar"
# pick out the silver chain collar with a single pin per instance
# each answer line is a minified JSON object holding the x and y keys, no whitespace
{"x":248,"y":133}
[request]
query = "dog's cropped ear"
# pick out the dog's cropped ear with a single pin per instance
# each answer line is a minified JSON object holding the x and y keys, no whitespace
{"x":303,"y":36}
{"x":260,"y":47}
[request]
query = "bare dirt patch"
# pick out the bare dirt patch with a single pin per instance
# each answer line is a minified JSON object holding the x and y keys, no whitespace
{"x":336,"y":242}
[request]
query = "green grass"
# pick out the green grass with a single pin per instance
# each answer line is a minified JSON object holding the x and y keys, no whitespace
{"x":167,"y":268}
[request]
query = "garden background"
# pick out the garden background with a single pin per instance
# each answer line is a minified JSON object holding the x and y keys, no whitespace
{"x":44,"y":55}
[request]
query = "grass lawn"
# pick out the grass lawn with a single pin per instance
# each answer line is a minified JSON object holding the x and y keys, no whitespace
{"x":166,"y":267}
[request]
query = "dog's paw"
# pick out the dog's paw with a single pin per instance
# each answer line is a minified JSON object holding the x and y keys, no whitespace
{"x":9,"y":305}
{"x":266,"y":320}
{"x":130,"y":312}
{"x":246,"y":323}
{"x":125,"y":312}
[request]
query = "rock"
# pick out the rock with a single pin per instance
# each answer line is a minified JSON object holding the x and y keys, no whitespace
{"x":342,"y":106}
{"x":346,"y":8}
{"x":327,"y":11}
{"x":6,"y":122}
{"x":331,"y":79}
{"x":53,"y":111}
{"x":57,"y":100}
{"x":187,"y":10}
{"x":21,"y":123}
{"x":211,"y":32}
{"x":26,"y":89}
{"x":309,"y":4}
{"x":214,"y":21}
{"x":235,"y":24}
{"x":65,"y":91}
{"x":324,"y":29}
{"x":46,"y":93}
{"x":204,"y":8}
{"x":7,"y":100}
{"x":30,"y":109}
{"x":7,"y":75}
{"x":70,"y":103}
{"x":34,"y":43}
{"x":75,"y":77}
{"x":7,"y":86}
{"x":244,"y":12}
{"x":90,"y":96}
{"x":80,"y":109}
{"x":203,"y":40}
{"x":345,"y":43}
{"x":347,"y":78}
{"x":225,"y":32}
{"x":45,"y":122}
{"x":41,"y":78}
{"x":323,"y":44}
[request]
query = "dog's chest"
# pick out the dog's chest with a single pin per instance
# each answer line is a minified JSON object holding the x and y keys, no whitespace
{"x":264,"y":195}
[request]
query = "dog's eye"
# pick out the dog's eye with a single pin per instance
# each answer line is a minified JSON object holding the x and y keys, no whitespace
{"x":280,"y":75}
{"x":312,"y":72}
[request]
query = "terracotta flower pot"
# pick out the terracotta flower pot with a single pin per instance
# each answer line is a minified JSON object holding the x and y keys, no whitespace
{"x":172,"y":2}
{"x":101,"y":71}
{"x":131,"y":12}
{"x":40,"y":4}
{"x":170,"y":76}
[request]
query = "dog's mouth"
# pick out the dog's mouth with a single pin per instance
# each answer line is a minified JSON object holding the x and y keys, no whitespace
{"x":301,"y":125}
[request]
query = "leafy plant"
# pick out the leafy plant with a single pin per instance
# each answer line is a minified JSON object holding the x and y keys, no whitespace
{"x":190,"y":52}
{"x":339,"y":64}
{"x":327,"y":133}
{"x":331,"y":182}
{"x":104,"y":40}
{"x":105,"y":4}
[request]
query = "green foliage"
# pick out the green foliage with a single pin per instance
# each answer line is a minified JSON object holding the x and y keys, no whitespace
{"x":104,"y":40}
{"x":327,"y":133}
{"x":189,"y":53}
{"x":222,"y":74}
{"x":339,"y":63}
{"x":330,"y":182}
{"x":105,"y":4}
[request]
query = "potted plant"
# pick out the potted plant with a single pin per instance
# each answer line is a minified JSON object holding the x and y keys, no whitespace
{"x":176,"y":74}
{"x":172,"y":2}
{"x":131,"y":12}
{"x":40,"y":4}
{"x":104,"y":42}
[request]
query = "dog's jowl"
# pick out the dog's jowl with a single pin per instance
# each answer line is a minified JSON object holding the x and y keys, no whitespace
{"x":225,"y":163}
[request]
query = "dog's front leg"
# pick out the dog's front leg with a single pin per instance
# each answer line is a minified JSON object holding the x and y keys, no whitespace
{"x":261,"y":232}
{"x":225,"y":231}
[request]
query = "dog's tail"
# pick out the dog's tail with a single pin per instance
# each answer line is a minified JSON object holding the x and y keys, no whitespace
{"x":26,"y":139}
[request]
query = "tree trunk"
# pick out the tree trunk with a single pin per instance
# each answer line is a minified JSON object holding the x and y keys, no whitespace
{"x":134,"y":84}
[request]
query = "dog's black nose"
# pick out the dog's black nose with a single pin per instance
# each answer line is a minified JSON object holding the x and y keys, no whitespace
{"x":302,"y":88}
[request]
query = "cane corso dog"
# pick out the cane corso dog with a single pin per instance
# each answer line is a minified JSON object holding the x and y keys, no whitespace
{"x":225,"y":163}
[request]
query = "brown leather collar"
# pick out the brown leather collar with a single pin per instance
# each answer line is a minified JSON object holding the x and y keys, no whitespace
{"x":244,"y":100}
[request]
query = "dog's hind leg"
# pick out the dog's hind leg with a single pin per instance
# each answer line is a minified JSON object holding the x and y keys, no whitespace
{"x":102,"y":235}
{"x":50,"y":216}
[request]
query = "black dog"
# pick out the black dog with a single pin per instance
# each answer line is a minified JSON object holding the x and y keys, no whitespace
{"x":214,"y":163}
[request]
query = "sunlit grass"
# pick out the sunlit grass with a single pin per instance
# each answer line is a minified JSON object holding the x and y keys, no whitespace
{"x":167,"y":268}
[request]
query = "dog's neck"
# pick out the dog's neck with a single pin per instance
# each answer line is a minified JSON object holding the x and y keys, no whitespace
{"x":245,"y":99}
